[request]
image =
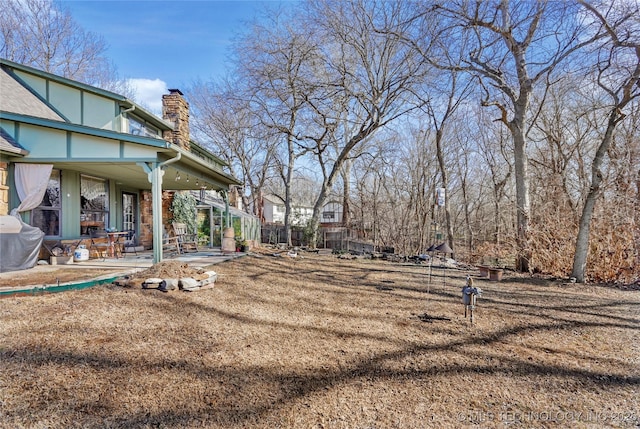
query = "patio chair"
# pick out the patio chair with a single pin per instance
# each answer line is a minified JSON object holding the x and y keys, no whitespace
{"x":100,"y":243}
{"x":187,"y":242}
{"x":170,"y":245}
{"x":129,"y":245}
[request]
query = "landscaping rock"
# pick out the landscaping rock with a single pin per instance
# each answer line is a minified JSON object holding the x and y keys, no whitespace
{"x":152,"y":282}
{"x":189,"y":284}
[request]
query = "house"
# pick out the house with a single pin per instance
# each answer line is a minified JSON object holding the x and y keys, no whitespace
{"x":274,"y":207}
{"x":273,"y":217}
{"x":331,"y":214}
{"x":93,"y":158}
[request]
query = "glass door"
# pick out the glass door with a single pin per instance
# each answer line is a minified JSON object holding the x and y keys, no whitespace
{"x":129,"y":211}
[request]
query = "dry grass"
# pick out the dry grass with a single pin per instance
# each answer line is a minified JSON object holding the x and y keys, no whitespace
{"x":51,"y":276}
{"x":318,"y":342}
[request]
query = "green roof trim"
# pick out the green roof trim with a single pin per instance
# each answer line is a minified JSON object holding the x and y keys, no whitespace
{"x":201,"y":162}
{"x":200,"y":149}
{"x":121,"y":99}
{"x":64,"y":80}
{"x":140,"y":112}
{"x":83,"y":129}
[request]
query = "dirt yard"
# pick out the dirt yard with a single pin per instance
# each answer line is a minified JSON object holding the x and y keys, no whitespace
{"x":319,"y":342}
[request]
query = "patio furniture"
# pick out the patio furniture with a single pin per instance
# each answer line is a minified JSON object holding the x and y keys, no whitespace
{"x":186,"y":241}
{"x":170,"y":244}
{"x":129,"y":245}
{"x":116,"y":246}
{"x":59,"y":247}
{"x":99,"y":243}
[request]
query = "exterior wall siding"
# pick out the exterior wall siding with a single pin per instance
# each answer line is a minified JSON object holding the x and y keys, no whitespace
{"x":37,"y":84}
{"x":9,"y":127}
{"x":83,"y":146}
{"x":98,"y":112}
{"x":70,"y":186}
{"x":67,"y":100}
{"x":4,"y":188}
{"x":43,"y":142}
{"x":130,"y":150}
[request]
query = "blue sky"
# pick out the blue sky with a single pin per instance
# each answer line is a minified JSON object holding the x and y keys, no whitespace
{"x":165,"y":44}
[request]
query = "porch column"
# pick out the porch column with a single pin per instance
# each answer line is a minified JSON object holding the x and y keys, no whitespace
{"x":155,"y":177}
{"x":155,"y":171}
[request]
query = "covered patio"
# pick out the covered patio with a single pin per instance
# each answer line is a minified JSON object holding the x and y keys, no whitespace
{"x":76,"y":159}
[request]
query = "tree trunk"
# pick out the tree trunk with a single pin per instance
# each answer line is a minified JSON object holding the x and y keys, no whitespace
{"x":287,"y":192}
{"x":346,"y":193}
{"x":582,"y":241}
{"x":467,"y":215}
{"x":637,"y":219}
{"x":521,"y":167}
{"x":445,"y":185}
{"x":315,"y":217}
{"x":496,"y":208}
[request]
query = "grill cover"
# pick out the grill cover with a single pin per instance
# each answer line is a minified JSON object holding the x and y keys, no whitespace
{"x":19,"y":244}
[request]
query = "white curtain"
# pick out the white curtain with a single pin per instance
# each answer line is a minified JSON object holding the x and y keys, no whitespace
{"x":31,"y":183}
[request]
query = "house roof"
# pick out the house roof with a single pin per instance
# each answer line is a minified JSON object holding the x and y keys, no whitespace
{"x":20,"y":104}
{"x":9,"y":145}
{"x":57,"y":78}
{"x":220,"y":204}
{"x":275,"y":199}
{"x":18,"y":99}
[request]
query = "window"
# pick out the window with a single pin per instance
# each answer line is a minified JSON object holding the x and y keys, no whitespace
{"x":94,"y":204}
{"x":47,"y":215}
{"x":140,"y":128}
{"x":328,"y":215}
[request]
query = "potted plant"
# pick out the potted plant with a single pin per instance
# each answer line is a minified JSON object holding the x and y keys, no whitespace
{"x":241,"y":245}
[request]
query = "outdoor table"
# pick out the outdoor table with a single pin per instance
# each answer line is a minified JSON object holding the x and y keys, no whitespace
{"x":114,"y":242}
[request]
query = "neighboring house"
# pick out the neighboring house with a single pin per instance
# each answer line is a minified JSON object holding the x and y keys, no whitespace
{"x":105,"y":160}
{"x":273,"y":211}
{"x":331,"y":214}
{"x":300,"y":215}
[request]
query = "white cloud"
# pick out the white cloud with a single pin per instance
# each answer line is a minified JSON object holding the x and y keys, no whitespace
{"x":148,"y":93}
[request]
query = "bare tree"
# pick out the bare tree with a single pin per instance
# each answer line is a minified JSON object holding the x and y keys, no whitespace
{"x":618,"y":75}
{"x":561,"y":140}
{"x":475,"y":163}
{"x":369,"y":202}
{"x":393,"y":191}
{"x":418,"y":159}
{"x":229,"y":128}
{"x":274,"y":59}
{"x":445,"y":97}
{"x":368,"y":79}
{"x":517,"y":45}
{"x":561,"y":135}
{"x":43,"y":34}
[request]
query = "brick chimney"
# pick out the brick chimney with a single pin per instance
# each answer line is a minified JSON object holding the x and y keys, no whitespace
{"x":175,"y":109}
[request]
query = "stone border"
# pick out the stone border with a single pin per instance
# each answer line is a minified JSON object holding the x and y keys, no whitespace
{"x":186,"y":284}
